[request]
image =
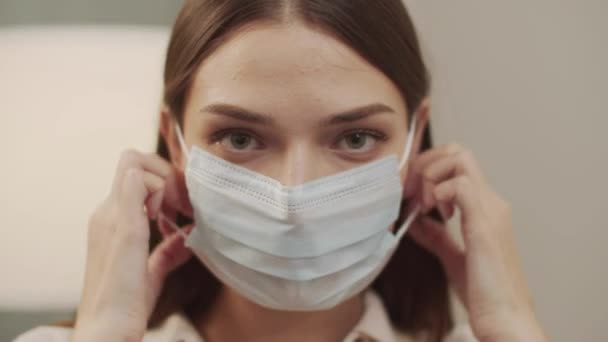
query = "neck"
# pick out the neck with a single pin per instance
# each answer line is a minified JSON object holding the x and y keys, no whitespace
{"x":235,"y":318}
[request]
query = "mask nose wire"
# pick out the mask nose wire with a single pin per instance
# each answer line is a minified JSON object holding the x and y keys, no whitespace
{"x":180,"y":137}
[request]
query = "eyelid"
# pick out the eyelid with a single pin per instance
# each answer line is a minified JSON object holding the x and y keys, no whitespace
{"x":220,"y":134}
{"x":217,"y":139}
{"x":370,"y":132}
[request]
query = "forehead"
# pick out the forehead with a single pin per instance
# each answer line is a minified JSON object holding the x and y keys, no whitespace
{"x":291,"y":65}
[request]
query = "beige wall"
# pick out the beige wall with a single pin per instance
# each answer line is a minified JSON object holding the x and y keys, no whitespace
{"x":522,"y":83}
{"x":132,"y":12}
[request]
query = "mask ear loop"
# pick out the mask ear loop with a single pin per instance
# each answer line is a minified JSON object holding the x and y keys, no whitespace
{"x":408,"y":222}
{"x":409,"y":142}
{"x":180,"y":138}
{"x":404,"y":158}
{"x":172,"y":225}
{"x":161,"y":215}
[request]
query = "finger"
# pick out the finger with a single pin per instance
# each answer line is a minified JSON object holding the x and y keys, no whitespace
{"x":156,"y":191}
{"x":425,"y":200}
{"x":436,"y":153}
{"x":422,"y":161}
{"x":429,"y":202}
{"x":132,"y":217}
{"x":413,"y":178}
{"x":166,"y":257}
{"x":438,"y":171}
{"x":99,"y":227}
{"x":460,"y":163}
{"x":426,"y":195}
{"x":153,"y":182}
{"x":128,"y":252}
{"x":176,"y":195}
{"x":169,"y":226}
{"x":163,"y":226}
{"x":463,"y":194}
{"x":159,"y":205}
{"x":155,"y":186}
{"x":134,"y":159}
{"x":442,"y":169}
{"x":446,"y":210}
{"x":434,"y":237}
{"x":441,"y":152}
{"x":154,"y":203}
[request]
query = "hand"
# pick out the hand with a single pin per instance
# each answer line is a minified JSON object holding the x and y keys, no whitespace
{"x":486,"y":273}
{"x":122,"y":279}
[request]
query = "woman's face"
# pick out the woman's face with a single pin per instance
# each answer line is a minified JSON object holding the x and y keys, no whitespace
{"x":293,"y":104}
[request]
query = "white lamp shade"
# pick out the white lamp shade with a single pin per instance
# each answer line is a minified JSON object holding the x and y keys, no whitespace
{"x":72,"y":99}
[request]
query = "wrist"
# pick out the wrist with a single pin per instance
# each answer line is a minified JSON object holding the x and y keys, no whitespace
{"x":103,"y":332}
{"x":515,"y":327}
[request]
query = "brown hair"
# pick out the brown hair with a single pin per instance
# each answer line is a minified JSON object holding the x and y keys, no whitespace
{"x":413,"y":286}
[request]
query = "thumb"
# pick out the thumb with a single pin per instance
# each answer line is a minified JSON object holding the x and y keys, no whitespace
{"x":434,"y":237}
{"x":170,"y":254}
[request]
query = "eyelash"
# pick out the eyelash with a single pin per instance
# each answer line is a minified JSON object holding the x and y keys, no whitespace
{"x":369,"y":132}
{"x":218,"y":136}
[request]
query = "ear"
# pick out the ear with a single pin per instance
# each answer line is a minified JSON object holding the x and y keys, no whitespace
{"x":168,"y":132}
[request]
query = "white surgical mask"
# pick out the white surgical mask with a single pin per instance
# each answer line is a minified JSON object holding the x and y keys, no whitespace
{"x":302,"y":248}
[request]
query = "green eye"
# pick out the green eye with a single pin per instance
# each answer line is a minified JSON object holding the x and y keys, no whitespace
{"x":357,"y":141}
{"x":237,"y":141}
{"x":240,"y":141}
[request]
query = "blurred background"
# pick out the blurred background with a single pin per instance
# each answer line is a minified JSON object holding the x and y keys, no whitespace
{"x":521,"y":83}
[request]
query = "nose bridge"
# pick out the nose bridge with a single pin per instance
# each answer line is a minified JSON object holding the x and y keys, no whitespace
{"x":300,"y":164}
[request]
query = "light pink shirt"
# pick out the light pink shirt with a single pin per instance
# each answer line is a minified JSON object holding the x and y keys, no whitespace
{"x":374,"y":325}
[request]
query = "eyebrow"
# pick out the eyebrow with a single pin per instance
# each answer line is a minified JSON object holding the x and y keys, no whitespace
{"x":349,"y":116}
{"x":358,"y":113}
{"x":238,"y":113}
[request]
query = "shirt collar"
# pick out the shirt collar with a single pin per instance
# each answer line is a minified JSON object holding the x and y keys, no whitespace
{"x":374,"y":324}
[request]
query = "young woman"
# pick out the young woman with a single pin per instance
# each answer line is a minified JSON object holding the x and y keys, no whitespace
{"x":294,"y":154}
